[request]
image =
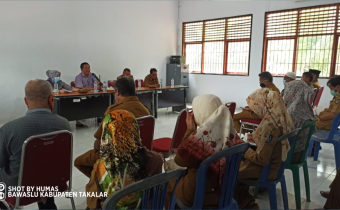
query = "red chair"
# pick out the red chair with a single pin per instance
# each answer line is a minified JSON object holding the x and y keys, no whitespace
{"x":232,"y":107}
{"x":146,"y":128}
{"x":317,"y":98}
{"x":142,"y":83}
{"x":46,"y":161}
{"x":312,"y":99}
{"x":111,"y":83}
{"x":73,"y":84}
{"x":167,"y":145}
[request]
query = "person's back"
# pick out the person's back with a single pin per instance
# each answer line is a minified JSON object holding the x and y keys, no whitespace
{"x":13,"y":135}
{"x":39,"y":119}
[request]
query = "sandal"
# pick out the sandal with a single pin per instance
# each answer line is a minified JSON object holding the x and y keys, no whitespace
{"x":324,"y":194}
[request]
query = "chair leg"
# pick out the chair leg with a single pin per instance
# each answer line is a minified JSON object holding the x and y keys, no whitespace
{"x":316,"y":150}
{"x":284,"y":193}
{"x":72,"y":203}
{"x":241,"y":129}
{"x":272,"y":196}
{"x":297,"y":191}
{"x":306,"y":176}
{"x":309,"y":151}
{"x":337,"y":154}
{"x":256,"y":191}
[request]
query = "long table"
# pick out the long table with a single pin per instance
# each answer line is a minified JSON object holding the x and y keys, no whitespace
{"x":77,"y":106}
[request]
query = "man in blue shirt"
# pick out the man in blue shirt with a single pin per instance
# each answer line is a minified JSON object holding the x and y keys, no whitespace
{"x":85,"y":79}
{"x":39,"y":119}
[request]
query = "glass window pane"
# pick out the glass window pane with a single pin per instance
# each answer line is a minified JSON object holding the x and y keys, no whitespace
{"x":193,"y":54}
{"x":238,"y":57}
{"x":315,"y":52}
{"x":280,"y":56}
{"x":213,"y":57}
{"x":337,"y":65}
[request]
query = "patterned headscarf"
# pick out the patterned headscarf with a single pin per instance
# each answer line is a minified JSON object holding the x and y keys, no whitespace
{"x":269,"y":106}
{"x":297,"y":98}
{"x":123,"y":157}
{"x":216,"y":132}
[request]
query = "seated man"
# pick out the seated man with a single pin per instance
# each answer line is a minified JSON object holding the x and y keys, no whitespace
{"x":266,"y":80}
{"x":126,"y":73}
{"x":307,"y":77}
{"x":325,"y":118}
{"x":151,"y":80}
{"x":39,"y":119}
{"x":315,"y":82}
{"x":85,"y":80}
{"x":290,"y":76}
{"x":126,"y":99}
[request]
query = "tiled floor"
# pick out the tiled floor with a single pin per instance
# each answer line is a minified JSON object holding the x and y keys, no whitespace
{"x":321,"y":172}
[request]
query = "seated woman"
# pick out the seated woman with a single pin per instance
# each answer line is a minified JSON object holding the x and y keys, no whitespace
{"x":297,"y":99}
{"x":215,"y":133}
{"x":54,"y":76}
{"x":269,"y":106}
{"x":123,"y":160}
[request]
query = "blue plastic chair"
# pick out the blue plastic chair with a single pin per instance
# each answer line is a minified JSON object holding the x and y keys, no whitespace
{"x":271,"y":185}
{"x":329,"y":137}
{"x":157,"y":185}
{"x":233,"y":158}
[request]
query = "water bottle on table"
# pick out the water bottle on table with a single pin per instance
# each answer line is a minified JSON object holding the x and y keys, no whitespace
{"x":160,"y":84}
{"x":172,"y":82}
{"x":139,"y":84}
{"x":56,"y":89}
{"x":95,"y":87}
{"x":104,"y":87}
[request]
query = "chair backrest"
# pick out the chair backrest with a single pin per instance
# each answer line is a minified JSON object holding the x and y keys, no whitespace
{"x":46,"y":160}
{"x":318,"y":97}
{"x":309,"y":127}
{"x":157,"y":185}
{"x":141,"y":83}
{"x":265,"y":170}
{"x":232,"y":107}
{"x":146,"y":128}
{"x":312,"y":99}
{"x":111,"y":83}
{"x":335,"y":125}
{"x":232,"y":158}
{"x":180,"y":129}
{"x":73,"y":84}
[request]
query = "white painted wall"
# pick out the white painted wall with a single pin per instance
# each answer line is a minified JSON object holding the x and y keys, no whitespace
{"x":237,"y":88}
{"x":39,"y":35}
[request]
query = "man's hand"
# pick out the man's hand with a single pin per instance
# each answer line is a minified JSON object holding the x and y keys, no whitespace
{"x":250,"y":138}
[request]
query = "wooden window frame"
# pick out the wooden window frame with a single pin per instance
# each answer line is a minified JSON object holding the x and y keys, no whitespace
{"x":226,"y":44}
{"x":335,"y":34}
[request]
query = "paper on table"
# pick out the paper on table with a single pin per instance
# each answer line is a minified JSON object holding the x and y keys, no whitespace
{"x":69,"y":91}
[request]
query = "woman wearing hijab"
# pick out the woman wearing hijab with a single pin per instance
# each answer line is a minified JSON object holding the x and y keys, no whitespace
{"x":123,"y":160}
{"x":297,"y":99}
{"x":269,"y":106}
{"x":54,"y":76}
{"x":215,"y":133}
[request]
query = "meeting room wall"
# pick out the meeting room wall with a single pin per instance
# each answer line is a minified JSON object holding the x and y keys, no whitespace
{"x":111,"y":35}
{"x":237,"y":88}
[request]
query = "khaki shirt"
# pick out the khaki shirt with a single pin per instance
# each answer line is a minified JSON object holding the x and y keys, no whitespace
{"x":149,"y":81}
{"x":316,"y":84}
{"x":130,"y":104}
{"x":273,"y":88}
{"x":334,"y":106}
{"x":253,"y":162}
{"x":124,"y":76}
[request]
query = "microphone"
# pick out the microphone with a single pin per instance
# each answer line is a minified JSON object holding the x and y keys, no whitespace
{"x":95,"y":76}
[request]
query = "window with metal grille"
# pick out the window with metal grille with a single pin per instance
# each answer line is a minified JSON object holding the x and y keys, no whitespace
{"x":301,"y":39}
{"x":219,"y":46}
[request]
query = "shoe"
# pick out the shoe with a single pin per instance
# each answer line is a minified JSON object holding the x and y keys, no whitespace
{"x":80,"y":125}
{"x":324,"y":194}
